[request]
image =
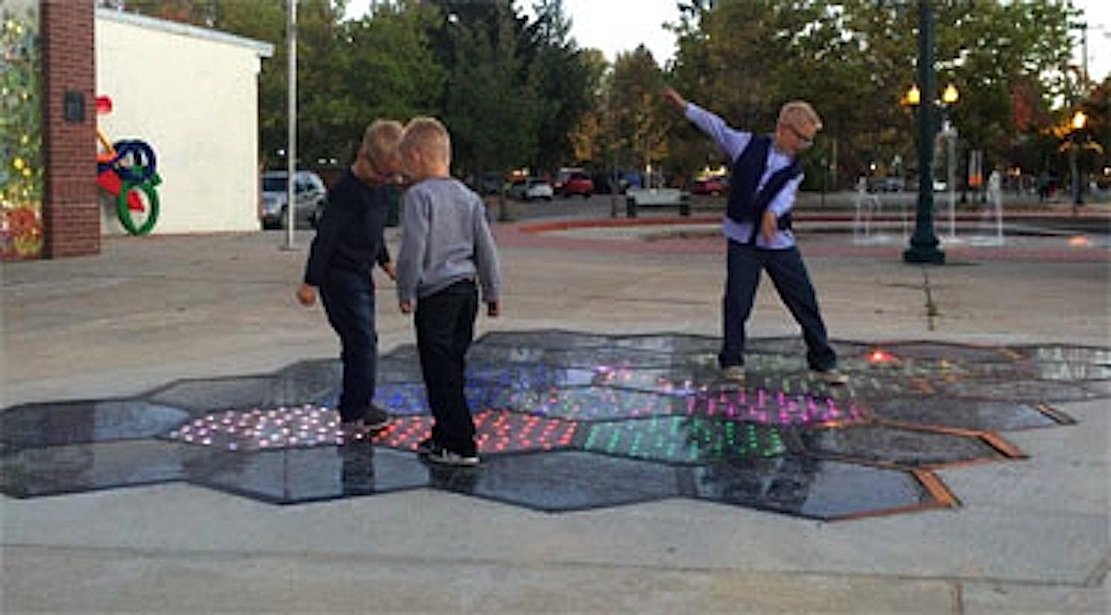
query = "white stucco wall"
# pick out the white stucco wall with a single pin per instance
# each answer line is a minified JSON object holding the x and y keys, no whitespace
{"x":192,"y":94}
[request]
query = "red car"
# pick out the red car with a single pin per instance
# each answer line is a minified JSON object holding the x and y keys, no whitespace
{"x":576,"y":183}
{"x":710,"y":185}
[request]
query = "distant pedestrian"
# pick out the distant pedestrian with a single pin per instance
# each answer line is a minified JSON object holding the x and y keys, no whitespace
{"x":766,"y":175}
{"x":446,"y":247}
{"x":349,"y":241}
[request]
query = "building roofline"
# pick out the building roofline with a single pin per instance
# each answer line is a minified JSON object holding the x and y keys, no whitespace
{"x":263,"y":49}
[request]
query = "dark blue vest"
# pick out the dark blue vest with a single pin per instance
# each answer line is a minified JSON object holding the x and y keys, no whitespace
{"x":745,"y":203}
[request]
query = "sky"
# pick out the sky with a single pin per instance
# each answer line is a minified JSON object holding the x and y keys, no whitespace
{"x":620,"y":25}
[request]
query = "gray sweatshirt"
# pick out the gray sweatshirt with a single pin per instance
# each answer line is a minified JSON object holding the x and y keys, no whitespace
{"x":444,"y":239}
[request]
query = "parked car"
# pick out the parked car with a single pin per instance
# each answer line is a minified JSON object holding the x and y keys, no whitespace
{"x":576,"y":183}
{"x":711,"y":185}
{"x":531,"y":188}
{"x":489,"y":183}
{"x":309,"y":194}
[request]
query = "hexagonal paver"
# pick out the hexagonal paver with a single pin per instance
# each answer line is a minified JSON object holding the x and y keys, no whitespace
{"x":892,"y":445}
{"x":681,"y":439}
{"x":76,"y":422}
{"x":496,"y":431}
{"x":588,"y":403}
{"x":816,"y":488}
{"x":561,"y":481}
{"x":75,"y":468}
{"x":293,"y":476}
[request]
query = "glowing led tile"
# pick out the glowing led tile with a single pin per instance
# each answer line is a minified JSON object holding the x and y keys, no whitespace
{"x":589,"y":403}
{"x":496,"y":431}
{"x":263,"y":428}
{"x":678,"y":439}
{"x":773,"y":407}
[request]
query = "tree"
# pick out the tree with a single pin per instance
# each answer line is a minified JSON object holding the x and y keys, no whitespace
{"x":641,"y":119}
{"x":491,"y":103}
{"x":566,"y":82}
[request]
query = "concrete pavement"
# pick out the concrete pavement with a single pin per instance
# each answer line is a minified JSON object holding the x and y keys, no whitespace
{"x":1030,"y":536}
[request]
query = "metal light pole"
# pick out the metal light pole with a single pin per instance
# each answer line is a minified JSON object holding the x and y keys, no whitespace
{"x":923,"y":243}
{"x":291,"y":131}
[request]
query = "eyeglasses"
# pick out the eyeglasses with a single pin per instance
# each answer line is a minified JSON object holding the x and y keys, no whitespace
{"x":805,"y":140}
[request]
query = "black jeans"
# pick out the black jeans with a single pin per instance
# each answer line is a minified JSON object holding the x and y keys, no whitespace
{"x":445,"y":328}
{"x":348,"y":299}
{"x":788,"y":274}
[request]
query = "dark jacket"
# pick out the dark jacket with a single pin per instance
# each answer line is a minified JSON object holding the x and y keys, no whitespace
{"x":349,"y":234}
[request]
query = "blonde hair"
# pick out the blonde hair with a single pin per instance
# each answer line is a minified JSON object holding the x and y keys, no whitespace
{"x":799,"y":109}
{"x":429,"y":137}
{"x":380,"y":142}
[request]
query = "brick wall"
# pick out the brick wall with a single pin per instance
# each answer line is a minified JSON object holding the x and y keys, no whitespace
{"x":71,"y":205}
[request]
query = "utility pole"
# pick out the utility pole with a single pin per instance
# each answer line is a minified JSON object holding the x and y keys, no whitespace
{"x":291,"y":129}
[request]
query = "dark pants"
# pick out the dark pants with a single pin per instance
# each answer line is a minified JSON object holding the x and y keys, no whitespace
{"x":349,"y":303}
{"x":788,"y":274}
{"x":445,"y":328}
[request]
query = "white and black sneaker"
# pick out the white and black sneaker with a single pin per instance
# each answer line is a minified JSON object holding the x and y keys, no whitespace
{"x":444,"y":457}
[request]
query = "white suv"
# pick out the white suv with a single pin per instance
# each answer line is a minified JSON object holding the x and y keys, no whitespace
{"x":309,"y":194}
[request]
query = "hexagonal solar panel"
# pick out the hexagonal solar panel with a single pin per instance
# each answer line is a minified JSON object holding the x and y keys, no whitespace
{"x":816,"y":488}
{"x":570,"y":420}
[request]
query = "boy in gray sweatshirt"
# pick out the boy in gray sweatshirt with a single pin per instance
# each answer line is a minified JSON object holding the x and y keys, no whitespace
{"x":446,"y":247}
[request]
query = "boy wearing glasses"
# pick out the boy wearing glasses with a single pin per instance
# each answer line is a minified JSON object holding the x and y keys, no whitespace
{"x":764,"y":181}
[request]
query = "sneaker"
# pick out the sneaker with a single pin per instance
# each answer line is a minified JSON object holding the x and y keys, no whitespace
{"x":426,"y":447}
{"x":442,"y":456}
{"x":733,"y":373}
{"x":373,"y":420}
{"x":830,"y":376}
{"x":376,"y":419}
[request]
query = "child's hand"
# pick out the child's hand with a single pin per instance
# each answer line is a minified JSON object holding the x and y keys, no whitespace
{"x":769,"y":226}
{"x":406,"y":307}
{"x":306,"y":295}
{"x":390,"y":269}
{"x":493,"y":309}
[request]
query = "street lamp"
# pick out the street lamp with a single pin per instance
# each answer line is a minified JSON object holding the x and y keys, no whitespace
{"x":1079,"y":120}
{"x":923,"y":243}
{"x":948,"y":133}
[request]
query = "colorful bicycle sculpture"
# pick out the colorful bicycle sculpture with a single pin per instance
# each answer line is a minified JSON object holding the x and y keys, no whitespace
{"x":127,"y":171}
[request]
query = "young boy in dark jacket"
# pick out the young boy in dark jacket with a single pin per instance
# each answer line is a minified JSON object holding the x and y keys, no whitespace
{"x":349,"y":241}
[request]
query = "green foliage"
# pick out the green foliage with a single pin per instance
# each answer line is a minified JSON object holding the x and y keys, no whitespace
{"x":492,"y":104}
{"x":21,"y":176}
{"x":854,"y":59}
{"x":520,"y":92}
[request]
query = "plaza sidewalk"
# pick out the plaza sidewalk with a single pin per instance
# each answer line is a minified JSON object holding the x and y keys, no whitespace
{"x":1030,"y":536}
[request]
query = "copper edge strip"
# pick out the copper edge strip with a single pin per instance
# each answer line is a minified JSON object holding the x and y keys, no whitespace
{"x":1055,"y":414}
{"x":1003,"y":446}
